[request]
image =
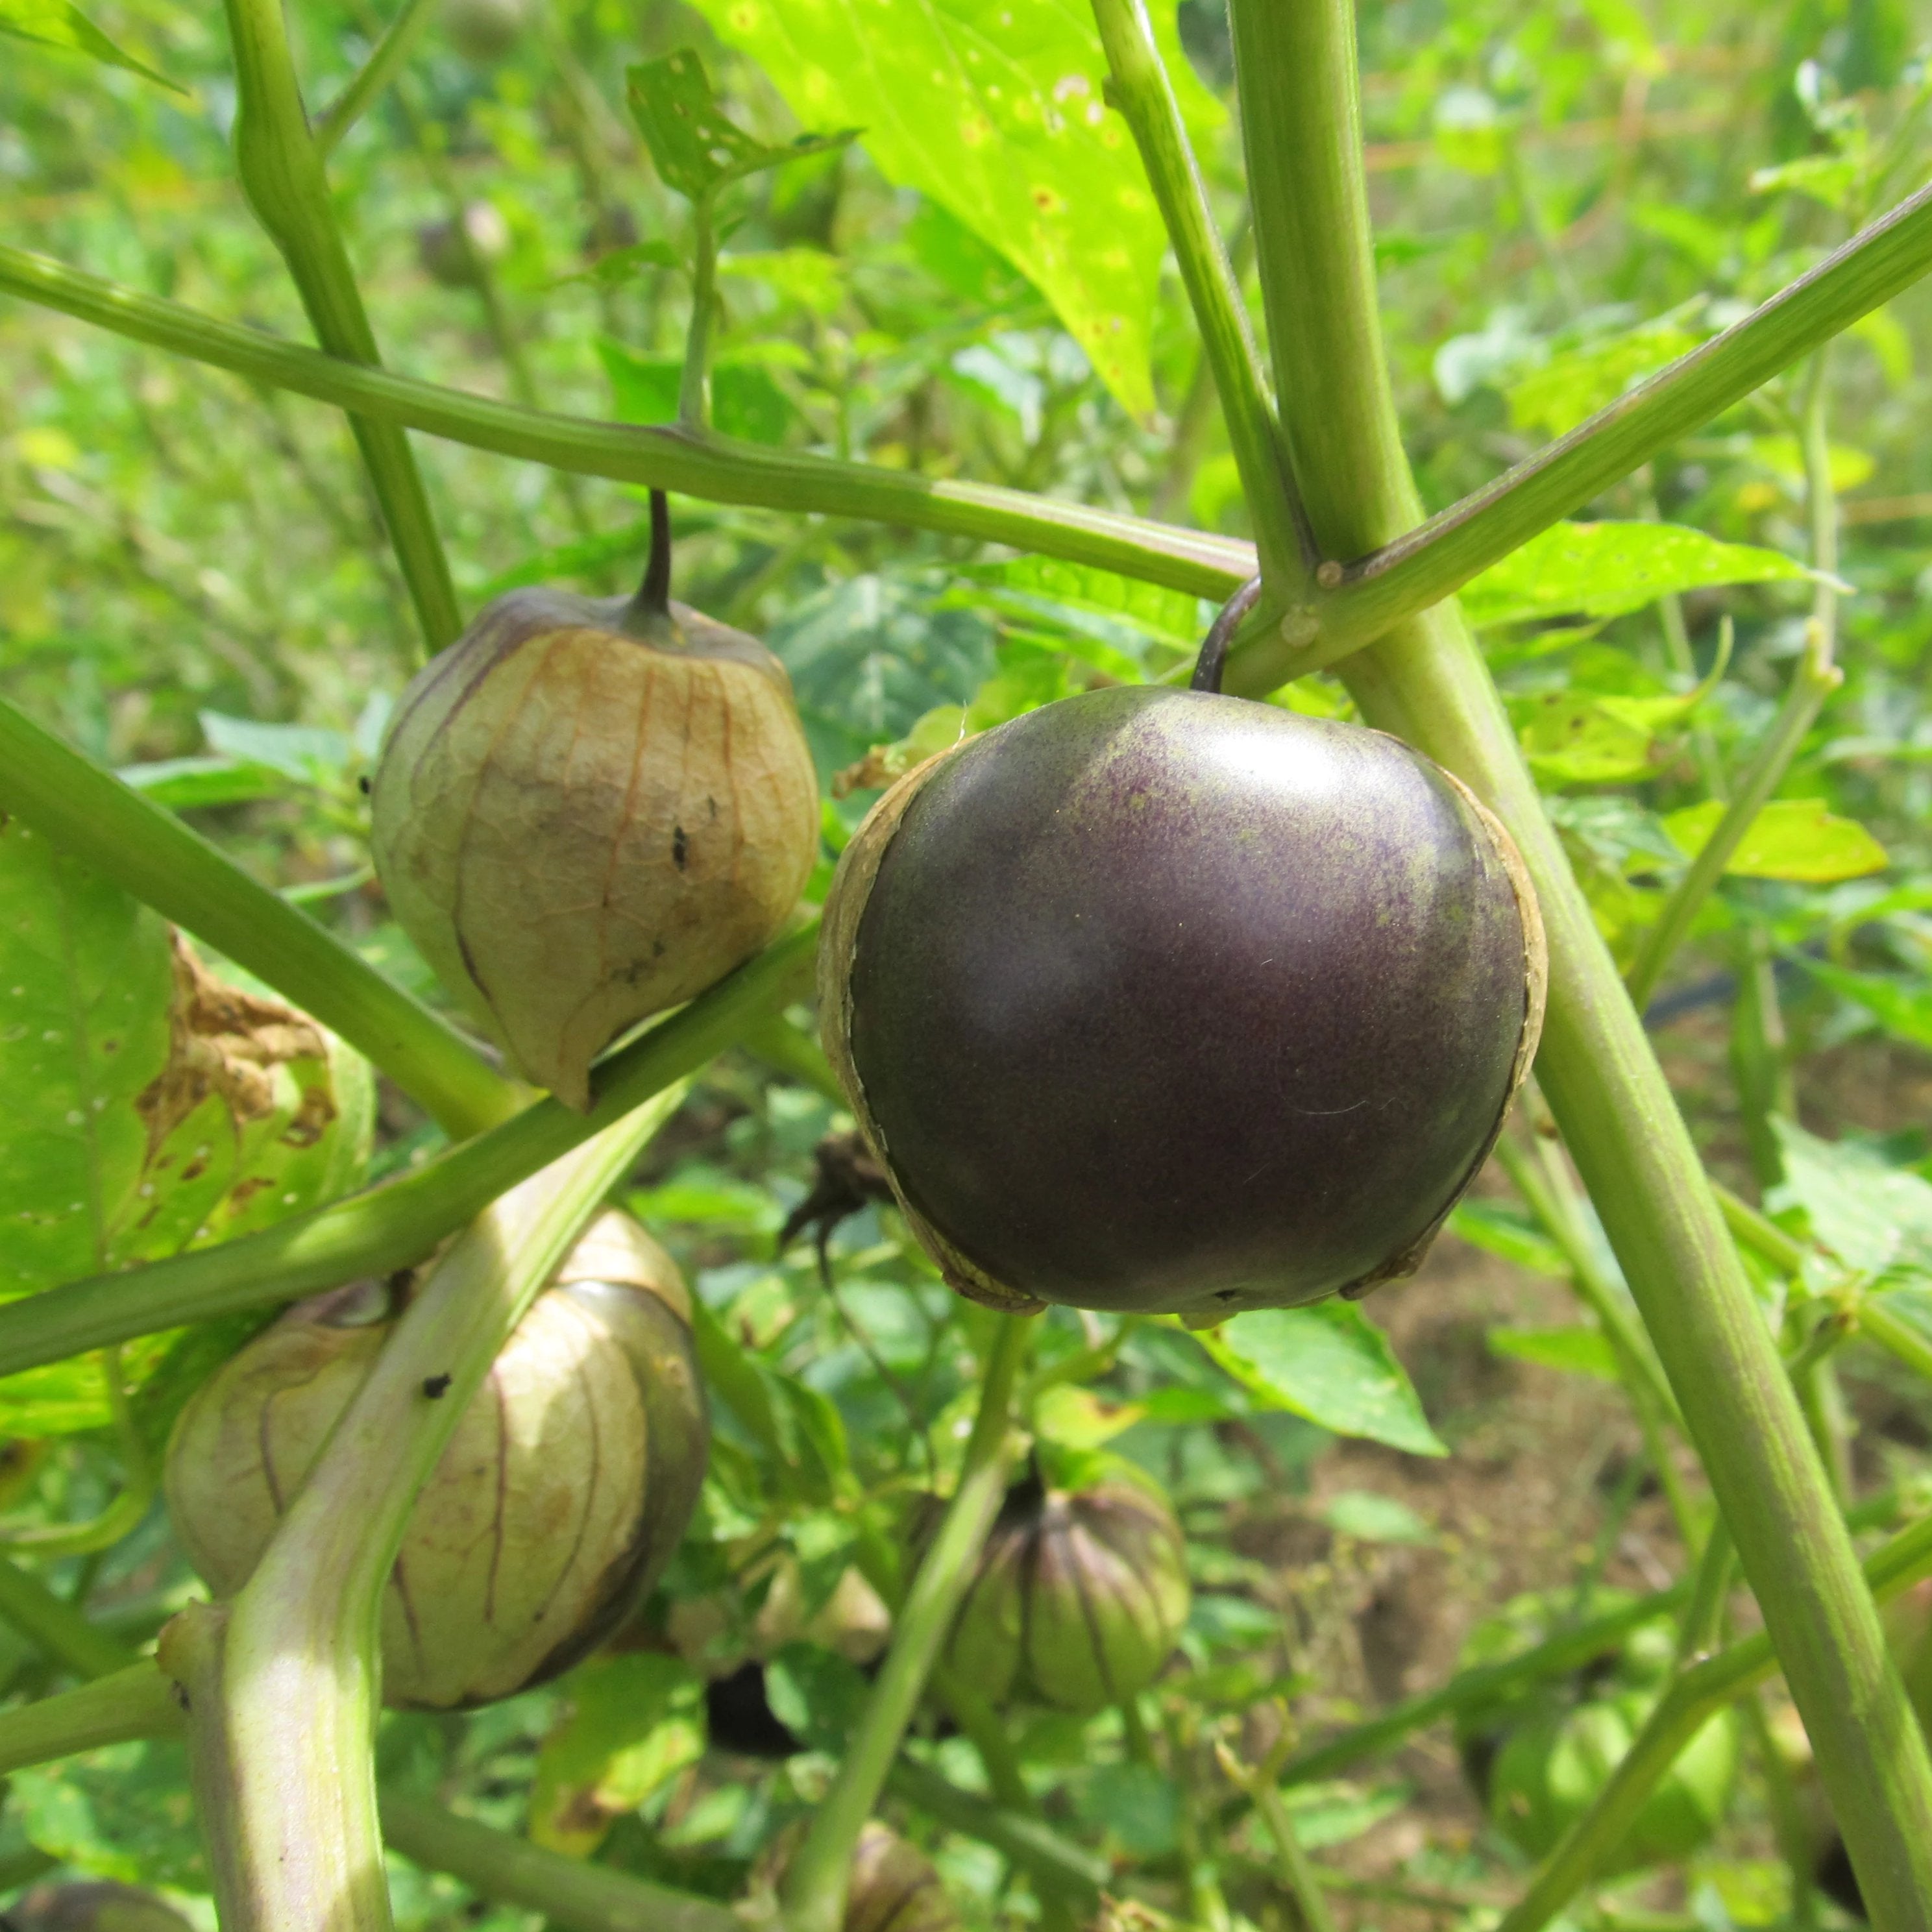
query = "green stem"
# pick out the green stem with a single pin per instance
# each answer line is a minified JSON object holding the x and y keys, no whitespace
{"x":1426,"y":682}
{"x":814,"y":1892}
{"x":139,"y":1480}
{"x":973,"y":1712}
{"x":1710,"y":1586}
{"x":1058,"y":1867}
{"x":284,"y":1683}
{"x":145,"y":850}
{"x":1546,"y":1188}
{"x":1815,"y":679}
{"x":134,"y":1701}
{"x":715,"y":467}
{"x":1900,"y":1339}
{"x":376,"y":73}
{"x":1401,"y":571}
{"x":281,"y":172}
{"x":796,"y":1054}
{"x":52,"y":1624}
{"x":1759,"y":1232}
{"x":1293,"y":1865}
{"x":1696,"y":1696}
{"x":1139,"y":88}
{"x":572,"y":1894}
{"x":1787,"y":1818}
{"x":694,"y":387}
{"x":398,"y":1224}
{"x":1760,"y":1063}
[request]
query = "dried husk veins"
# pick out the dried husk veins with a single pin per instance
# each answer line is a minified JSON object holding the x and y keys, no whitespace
{"x":562,"y":1494}
{"x":1080,"y":1597}
{"x":585,"y":814}
{"x":1067,"y":962}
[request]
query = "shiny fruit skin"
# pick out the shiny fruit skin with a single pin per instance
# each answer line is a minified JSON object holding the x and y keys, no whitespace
{"x":1080,"y":1596}
{"x":560,"y":1498}
{"x":1160,"y":1001}
{"x":582,"y":817}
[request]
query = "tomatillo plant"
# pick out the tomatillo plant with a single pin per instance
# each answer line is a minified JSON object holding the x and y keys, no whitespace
{"x":415,"y":1106}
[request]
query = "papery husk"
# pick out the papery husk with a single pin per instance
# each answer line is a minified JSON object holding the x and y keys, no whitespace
{"x":583,"y":816}
{"x":563,"y":1492}
{"x":1080,"y":1597}
{"x":893,"y":1886}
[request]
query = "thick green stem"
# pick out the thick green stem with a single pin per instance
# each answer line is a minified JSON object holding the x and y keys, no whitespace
{"x":145,"y":850}
{"x":814,"y":1892}
{"x":284,"y":1683}
{"x":1426,"y":682}
{"x":281,"y":171}
{"x":1139,"y":88}
{"x":715,"y":467}
{"x":398,"y":1224}
{"x":570,"y":1893}
{"x":1815,"y":679}
{"x":1696,"y":1696}
{"x":385,"y":60}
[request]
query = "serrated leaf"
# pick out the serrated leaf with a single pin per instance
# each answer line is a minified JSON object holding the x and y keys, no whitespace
{"x":1795,"y":838}
{"x":57,"y":23}
{"x":1329,"y":1364}
{"x":1575,"y":1350}
{"x":1872,"y":1215}
{"x":993,"y":109}
{"x":697,"y":148}
{"x":1605,"y":569}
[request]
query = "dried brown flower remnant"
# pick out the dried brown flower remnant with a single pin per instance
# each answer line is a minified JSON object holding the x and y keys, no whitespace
{"x":590,"y":810}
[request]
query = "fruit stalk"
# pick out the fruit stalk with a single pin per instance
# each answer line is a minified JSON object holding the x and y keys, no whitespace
{"x":813,"y":1892}
{"x":283,"y":1683}
{"x":147,"y":850}
{"x":1425,"y":681}
{"x":398,"y":1224}
{"x":282,"y":174}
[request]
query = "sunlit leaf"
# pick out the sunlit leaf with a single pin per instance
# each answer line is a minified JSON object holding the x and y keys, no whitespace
{"x":1796,"y":838}
{"x":993,"y":108}
{"x":57,"y":23}
{"x":1575,"y":1351}
{"x":1329,"y":1363}
{"x":1508,"y":1231}
{"x":1605,"y":569}
{"x":1570,"y":386}
{"x":1871,"y":1215}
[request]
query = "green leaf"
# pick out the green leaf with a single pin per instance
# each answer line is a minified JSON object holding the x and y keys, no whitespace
{"x":1902,"y":1006}
{"x":1508,"y":1231}
{"x":304,"y":752}
{"x":1170,"y":617}
{"x":1328,"y":1814}
{"x":1872,"y":1216}
{"x":635,"y":1720}
{"x":1796,"y":838}
{"x":1371,"y":1518}
{"x":1577,"y":1351}
{"x":697,"y":149}
{"x":152,"y":1108}
{"x":1571,"y":738}
{"x":56,"y":23}
{"x":1605,"y":569}
{"x":993,"y":108}
{"x":182,"y":784}
{"x":1572,"y":386}
{"x":1329,"y":1363}
{"x":745,"y":401}
{"x":123,"y":1812}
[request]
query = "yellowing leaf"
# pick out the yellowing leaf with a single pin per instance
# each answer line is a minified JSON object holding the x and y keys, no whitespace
{"x":1795,"y":838}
